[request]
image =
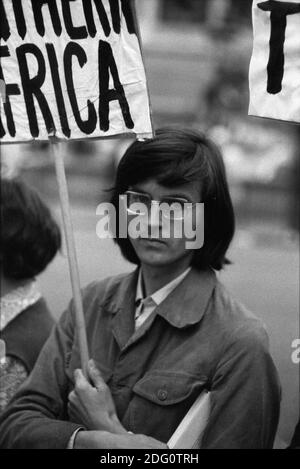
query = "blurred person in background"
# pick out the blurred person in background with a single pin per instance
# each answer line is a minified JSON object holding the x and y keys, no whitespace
{"x":30,"y":238}
{"x":160,"y":335}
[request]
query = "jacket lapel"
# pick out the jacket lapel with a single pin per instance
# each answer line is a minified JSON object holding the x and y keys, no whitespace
{"x":122,"y":307}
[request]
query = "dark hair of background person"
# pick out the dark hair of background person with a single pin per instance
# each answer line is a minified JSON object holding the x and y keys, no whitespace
{"x":174,"y":157}
{"x":29,"y":235}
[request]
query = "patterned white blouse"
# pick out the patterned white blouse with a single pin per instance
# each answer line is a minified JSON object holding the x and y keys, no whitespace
{"x":12,"y":370}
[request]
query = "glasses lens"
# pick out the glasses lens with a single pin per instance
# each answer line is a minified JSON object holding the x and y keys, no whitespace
{"x":170,"y":208}
{"x":173,"y":209}
{"x":137,"y":203}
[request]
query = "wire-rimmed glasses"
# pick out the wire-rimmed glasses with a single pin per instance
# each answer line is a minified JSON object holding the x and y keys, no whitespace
{"x":171,"y":208}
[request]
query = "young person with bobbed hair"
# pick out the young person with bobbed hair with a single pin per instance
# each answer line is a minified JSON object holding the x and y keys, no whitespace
{"x":160,"y":335}
{"x":30,"y":238}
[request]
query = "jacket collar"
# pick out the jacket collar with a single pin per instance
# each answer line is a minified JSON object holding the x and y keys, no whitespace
{"x":187,"y":304}
{"x":159,"y":295}
{"x":183,"y":307}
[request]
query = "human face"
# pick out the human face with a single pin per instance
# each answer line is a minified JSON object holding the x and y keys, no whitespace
{"x":158,"y":250}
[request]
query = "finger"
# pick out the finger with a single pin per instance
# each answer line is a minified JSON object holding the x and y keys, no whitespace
{"x":76,"y":406}
{"x":81,"y":382}
{"x":74,"y":400}
{"x":72,"y":396}
{"x":95,"y":375}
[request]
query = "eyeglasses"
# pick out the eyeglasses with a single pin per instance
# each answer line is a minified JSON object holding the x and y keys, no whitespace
{"x":171,"y":208}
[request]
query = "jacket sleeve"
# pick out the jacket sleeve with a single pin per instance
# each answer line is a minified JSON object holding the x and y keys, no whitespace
{"x":245,"y":395}
{"x":37,"y":415}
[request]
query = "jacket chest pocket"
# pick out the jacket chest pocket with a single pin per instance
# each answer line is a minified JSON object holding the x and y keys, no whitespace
{"x":160,"y":401}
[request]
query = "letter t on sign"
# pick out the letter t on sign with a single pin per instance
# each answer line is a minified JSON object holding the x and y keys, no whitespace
{"x":279,"y":12}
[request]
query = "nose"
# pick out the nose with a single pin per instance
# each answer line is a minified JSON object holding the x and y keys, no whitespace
{"x":155,"y":219}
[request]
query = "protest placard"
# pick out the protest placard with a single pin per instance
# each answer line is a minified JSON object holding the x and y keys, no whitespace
{"x":72,"y":68}
{"x":275,"y":64}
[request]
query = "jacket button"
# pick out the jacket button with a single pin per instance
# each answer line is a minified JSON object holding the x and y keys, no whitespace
{"x":162,"y":395}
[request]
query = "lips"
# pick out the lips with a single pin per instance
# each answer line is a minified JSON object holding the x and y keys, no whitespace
{"x":153,"y":240}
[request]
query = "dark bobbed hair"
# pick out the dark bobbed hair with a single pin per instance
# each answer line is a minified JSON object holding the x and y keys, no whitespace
{"x":175,"y":157}
{"x":29,"y":235}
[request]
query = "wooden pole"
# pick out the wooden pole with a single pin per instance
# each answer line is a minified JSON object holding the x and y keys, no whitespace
{"x":72,"y":258}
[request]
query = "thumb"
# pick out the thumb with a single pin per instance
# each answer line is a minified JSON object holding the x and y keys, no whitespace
{"x":80,"y":380}
{"x":95,"y":375}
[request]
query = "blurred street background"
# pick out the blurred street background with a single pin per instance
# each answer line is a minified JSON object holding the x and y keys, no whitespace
{"x":197,"y":55}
